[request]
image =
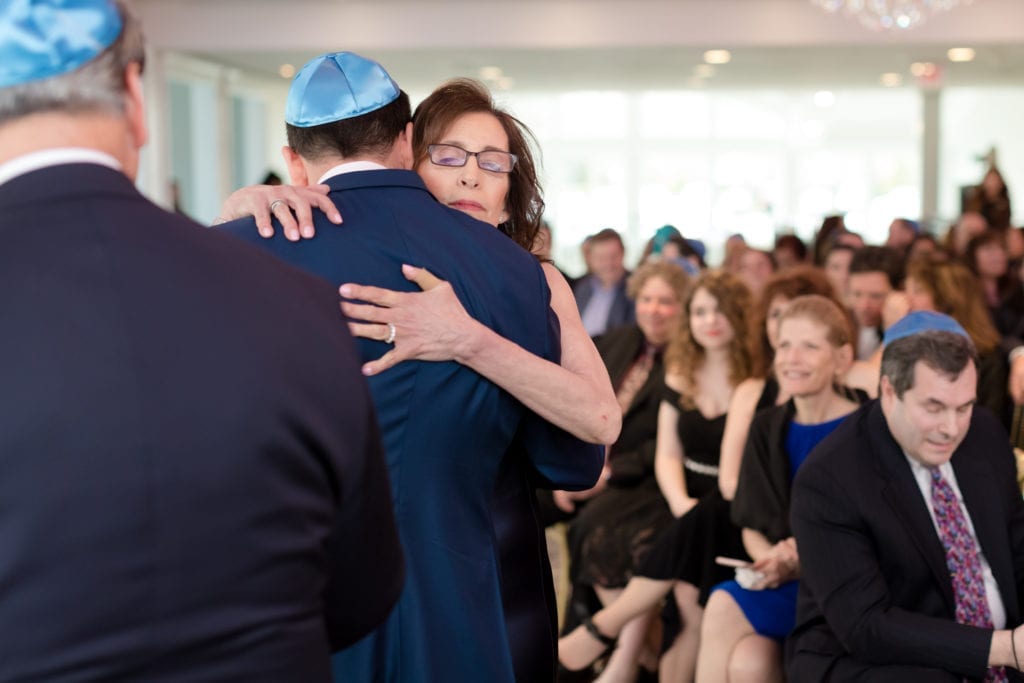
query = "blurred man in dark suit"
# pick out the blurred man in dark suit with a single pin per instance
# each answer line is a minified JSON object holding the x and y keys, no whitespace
{"x":191,"y":477}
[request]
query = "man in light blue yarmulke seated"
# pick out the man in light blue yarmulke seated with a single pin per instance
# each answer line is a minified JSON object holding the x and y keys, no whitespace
{"x":189,"y":461}
{"x":911,"y":528}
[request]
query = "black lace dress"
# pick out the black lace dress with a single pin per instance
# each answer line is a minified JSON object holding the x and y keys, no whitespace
{"x":617,"y":529}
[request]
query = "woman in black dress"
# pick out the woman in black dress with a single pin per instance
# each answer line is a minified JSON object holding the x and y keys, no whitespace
{"x":709,"y":356}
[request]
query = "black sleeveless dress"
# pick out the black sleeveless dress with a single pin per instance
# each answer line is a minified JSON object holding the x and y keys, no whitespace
{"x":686,"y":550}
{"x":615,"y":531}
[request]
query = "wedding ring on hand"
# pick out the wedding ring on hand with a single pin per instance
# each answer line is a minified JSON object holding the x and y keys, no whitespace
{"x":391,"y":334}
{"x":273,"y":204}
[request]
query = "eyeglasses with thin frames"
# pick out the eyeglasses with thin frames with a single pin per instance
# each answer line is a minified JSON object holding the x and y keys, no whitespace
{"x":454,"y":156}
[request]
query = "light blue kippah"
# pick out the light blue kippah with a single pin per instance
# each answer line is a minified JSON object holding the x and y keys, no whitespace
{"x":337,"y":86}
{"x":916,"y":322}
{"x":45,"y":38}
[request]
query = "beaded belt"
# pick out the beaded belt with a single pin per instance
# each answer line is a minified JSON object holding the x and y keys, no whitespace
{"x":700,"y":468}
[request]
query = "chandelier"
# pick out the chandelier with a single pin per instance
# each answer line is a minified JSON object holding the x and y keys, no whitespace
{"x":890,"y":15}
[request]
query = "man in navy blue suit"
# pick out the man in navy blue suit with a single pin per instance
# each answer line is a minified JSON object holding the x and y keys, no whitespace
{"x":445,"y":427}
{"x":191,"y":479}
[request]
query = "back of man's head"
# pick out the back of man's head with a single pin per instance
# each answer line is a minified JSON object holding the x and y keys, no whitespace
{"x":342,"y":105}
{"x":878,"y":259}
{"x":67,"y":57}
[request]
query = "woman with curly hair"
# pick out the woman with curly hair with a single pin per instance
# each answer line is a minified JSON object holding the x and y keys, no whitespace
{"x":710,"y":355}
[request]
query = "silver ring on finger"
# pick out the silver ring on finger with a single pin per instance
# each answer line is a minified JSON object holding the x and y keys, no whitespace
{"x":273,"y":204}
{"x":391,"y":334}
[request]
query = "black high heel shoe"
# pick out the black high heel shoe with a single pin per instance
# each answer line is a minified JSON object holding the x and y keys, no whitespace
{"x":587,"y":622}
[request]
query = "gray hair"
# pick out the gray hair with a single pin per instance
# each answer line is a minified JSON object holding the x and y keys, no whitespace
{"x":98,"y":85}
{"x":947,"y":353}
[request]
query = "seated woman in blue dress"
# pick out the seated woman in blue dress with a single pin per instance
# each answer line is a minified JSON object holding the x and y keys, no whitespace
{"x":743,"y":628}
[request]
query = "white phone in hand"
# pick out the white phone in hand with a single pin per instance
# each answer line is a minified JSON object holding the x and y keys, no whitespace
{"x":731,"y":562}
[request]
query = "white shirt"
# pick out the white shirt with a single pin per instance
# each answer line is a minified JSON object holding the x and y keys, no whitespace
{"x":868,"y":341}
{"x":924,"y":481}
{"x":57,"y":156}
{"x":351,"y":167}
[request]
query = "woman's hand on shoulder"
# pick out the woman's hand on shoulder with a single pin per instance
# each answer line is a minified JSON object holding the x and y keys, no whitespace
{"x":290,"y":204}
{"x":896,"y":305}
{"x":431,"y":325}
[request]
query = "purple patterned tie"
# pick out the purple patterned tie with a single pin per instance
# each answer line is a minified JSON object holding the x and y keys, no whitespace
{"x":963,"y":562}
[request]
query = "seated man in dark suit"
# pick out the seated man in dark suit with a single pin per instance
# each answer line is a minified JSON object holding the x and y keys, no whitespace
{"x":601,"y":294}
{"x":191,"y":478}
{"x":910,"y":527}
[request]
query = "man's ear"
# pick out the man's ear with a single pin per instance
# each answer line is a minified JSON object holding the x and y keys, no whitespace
{"x":886,"y":391}
{"x":403,"y":147}
{"x":135,"y":109}
{"x":296,"y":168}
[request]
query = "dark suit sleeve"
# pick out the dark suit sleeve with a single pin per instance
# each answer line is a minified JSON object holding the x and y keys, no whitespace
{"x":559,"y":459}
{"x":367,"y":566}
{"x":840,"y":567}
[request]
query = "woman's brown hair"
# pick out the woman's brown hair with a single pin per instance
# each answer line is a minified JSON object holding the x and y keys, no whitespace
{"x":460,"y":96}
{"x":789,"y":284}
{"x":956,"y":292}
{"x":825,"y":311}
{"x":684,"y":355}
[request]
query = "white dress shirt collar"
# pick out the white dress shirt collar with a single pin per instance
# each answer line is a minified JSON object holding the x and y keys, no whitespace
{"x":351,"y":167}
{"x":57,"y":156}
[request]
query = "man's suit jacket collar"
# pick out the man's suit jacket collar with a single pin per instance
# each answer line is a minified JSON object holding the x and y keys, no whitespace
{"x":388,"y":177}
{"x":977,"y":484}
{"x":65,"y":181}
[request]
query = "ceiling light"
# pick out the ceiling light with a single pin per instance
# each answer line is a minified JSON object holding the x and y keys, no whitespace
{"x":286,"y":70}
{"x":505,"y":83}
{"x":960,"y":54}
{"x":889,"y":15}
{"x":703,"y":71}
{"x":923,"y":69}
{"x":824,"y":99}
{"x":891,"y":79}
{"x":717,"y":56}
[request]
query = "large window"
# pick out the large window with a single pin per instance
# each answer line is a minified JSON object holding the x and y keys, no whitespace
{"x":973,"y":121}
{"x":717,"y":162}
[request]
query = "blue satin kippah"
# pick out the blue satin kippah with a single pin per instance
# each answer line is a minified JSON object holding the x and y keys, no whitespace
{"x":44,"y":38}
{"x":922,"y":321}
{"x":336,"y":86}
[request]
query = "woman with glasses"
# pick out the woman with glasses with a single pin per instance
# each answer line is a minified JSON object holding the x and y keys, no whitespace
{"x":476,"y":158}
